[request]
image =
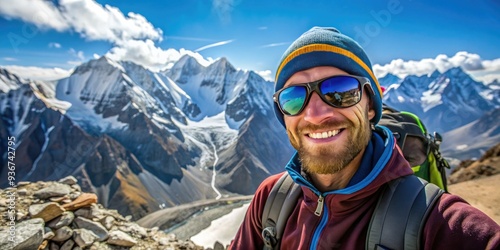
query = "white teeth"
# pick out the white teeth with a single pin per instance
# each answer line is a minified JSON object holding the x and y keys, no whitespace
{"x":324,"y":134}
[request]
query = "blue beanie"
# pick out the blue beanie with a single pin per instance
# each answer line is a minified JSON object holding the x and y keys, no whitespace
{"x":326,"y":47}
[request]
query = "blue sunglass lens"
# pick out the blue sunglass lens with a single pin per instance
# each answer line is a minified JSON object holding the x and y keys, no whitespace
{"x":292,"y":99}
{"x":341,"y":91}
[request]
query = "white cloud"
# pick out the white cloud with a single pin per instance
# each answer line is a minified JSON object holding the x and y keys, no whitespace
{"x":55,"y":45}
{"x":37,"y":73}
{"x":9,"y":59}
{"x":150,"y":56}
{"x":44,"y":14}
{"x":87,"y":17}
{"x":96,"y":22}
{"x":132,"y":36}
{"x":263,"y":28}
{"x":482,"y":70}
{"x":266,"y":74}
{"x":214,"y":45}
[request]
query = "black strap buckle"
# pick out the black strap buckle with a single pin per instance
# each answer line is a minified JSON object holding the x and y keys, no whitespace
{"x":269,"y":237}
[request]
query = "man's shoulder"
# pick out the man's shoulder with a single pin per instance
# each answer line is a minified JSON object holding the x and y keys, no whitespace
{"x":262,"y":193}
{"x":267,"y":184}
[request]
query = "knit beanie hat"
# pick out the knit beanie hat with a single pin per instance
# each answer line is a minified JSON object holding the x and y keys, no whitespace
{"x":321,"y":46}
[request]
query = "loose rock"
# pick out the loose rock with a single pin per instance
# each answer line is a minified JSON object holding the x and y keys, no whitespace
{"x":57,"y":189}
{"x":119,"y":238}
{"x":46,"y":211}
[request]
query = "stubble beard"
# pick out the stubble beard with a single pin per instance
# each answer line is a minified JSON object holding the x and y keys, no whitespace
{"x":328,"y":160}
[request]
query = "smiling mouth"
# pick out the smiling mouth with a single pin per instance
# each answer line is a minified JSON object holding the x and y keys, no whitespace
{"x":324,"y":135}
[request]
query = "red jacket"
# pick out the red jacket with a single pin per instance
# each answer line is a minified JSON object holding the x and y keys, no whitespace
{"x":343,"y":224}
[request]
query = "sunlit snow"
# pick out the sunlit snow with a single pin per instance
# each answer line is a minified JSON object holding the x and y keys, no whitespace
{"x":222,"y":229}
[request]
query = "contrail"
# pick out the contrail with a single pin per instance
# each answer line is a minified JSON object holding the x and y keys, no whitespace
{"x":275,"y":44}
{"x":214,"y":45}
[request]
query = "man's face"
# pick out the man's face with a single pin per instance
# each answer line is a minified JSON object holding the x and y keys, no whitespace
{"x":327,"y":138}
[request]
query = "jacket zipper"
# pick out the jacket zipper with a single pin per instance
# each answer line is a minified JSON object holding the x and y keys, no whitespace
{"x":322,"y":223}
{"x":319,"y":208}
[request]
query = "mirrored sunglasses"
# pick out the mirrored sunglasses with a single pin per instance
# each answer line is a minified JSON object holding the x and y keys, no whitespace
{"x":339,"y":91}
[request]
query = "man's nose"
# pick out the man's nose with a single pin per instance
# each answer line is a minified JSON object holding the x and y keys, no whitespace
{"x":316,"y":111}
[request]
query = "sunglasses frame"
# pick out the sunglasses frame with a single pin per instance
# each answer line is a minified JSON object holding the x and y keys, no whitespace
{"x":314,"y":87}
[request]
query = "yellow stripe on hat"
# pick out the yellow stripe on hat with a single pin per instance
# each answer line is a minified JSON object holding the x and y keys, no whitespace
{"x":329,"y":48}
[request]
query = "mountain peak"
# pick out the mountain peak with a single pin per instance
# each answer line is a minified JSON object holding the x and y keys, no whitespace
{"x":187,"y":64}
{"x":389,"y":79}
{"x":456,"y":72}
{"x":222,"y":64}
{"x":102,"y":63}
{"x":9,"y":81}
{"x":222,"y":60}
{"x":435,"y":74}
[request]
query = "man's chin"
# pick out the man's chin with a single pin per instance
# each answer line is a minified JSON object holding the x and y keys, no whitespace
{"x":321,"y":162}
{"x":316,"y":167}
{"x":322,"y":148}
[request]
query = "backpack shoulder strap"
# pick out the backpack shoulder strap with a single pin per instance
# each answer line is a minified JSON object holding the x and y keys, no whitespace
{"x":401,"y":213}
{"x":279,"y":205}
{"x":388,"y":109}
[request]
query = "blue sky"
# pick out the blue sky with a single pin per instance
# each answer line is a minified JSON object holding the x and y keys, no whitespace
{"x":400,"y":36}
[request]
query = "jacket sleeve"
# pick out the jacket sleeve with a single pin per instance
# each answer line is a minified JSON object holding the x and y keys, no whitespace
{"x":249,"y":233}
{"x":454,"y":224}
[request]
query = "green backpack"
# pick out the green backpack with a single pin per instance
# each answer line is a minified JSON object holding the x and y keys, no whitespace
{"x":420,"y":148}
{"x":408,"y":198}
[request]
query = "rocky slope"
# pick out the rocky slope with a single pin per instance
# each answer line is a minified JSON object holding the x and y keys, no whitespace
{"x":57,"y":215}
{"x":487,"y":165}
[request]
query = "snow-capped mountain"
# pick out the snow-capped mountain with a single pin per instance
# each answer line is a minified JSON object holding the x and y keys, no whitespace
{"x":464,"y":111}
{"x":147,"y":140}
{"x":128,"y":103}
{"x":388,"y":80}
{"x":472,"y":140}
{"x":216,"y":88}
{"x":9,"y":81}
{"x":444,"y":101}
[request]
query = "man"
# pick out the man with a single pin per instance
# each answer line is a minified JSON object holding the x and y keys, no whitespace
{"x":342,"y":159}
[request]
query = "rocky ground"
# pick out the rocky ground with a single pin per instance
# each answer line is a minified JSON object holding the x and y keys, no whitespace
{"x":57,"y":215}
{"x":487,"y":165}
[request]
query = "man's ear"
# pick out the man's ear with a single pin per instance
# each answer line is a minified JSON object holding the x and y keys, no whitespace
{"x":371,"y":110}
